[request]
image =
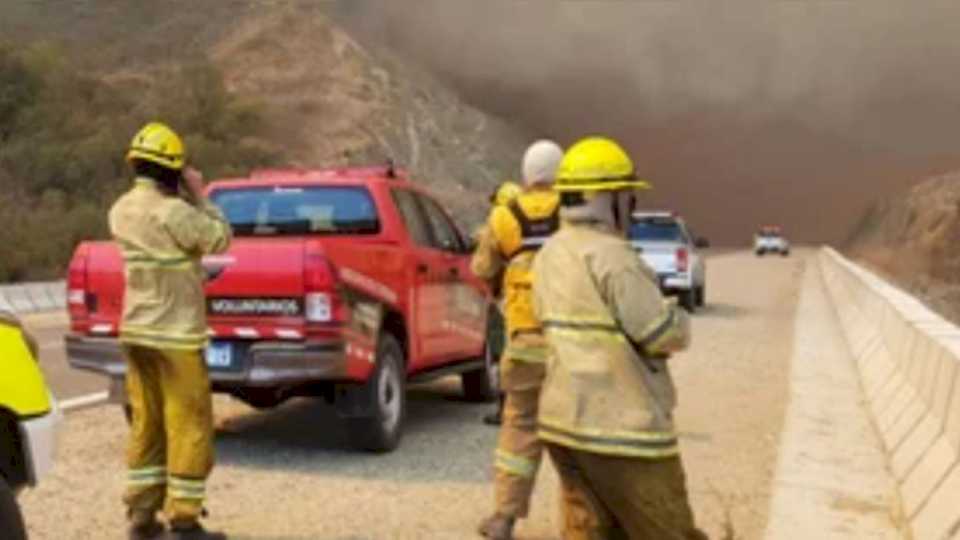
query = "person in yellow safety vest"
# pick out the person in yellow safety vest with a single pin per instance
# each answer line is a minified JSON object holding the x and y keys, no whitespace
{"x":515,"y":232}
{"x":606,"y":408}
{"x":163,"y":330}
{"x":502,"y":196}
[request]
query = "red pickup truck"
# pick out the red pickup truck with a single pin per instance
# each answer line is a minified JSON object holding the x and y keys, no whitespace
{"x":342,"y":283}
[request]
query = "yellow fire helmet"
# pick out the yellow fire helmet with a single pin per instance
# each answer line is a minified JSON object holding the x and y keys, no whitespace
{"x":159,"y":144}
{"x":507,"y":192}
{"x":597,"y":164}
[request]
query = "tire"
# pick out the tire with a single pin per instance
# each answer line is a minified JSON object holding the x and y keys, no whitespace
{"x":760,"y":253}
{"x":701,"y":296}
{"x":688,"y":300}
{"x":128,"y":413}
{"x":483,"y":384}
{"x":386,"y":391}
{"x":11,"y":520}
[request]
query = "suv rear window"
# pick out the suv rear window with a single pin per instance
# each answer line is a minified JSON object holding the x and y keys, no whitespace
{"x":278,"y":211}
{"x":657,"y":230}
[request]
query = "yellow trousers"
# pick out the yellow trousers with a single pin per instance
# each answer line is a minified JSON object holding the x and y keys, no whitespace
{"x":517,"y":458}
{"x":612,"y":498}
{"x":170,"y":451}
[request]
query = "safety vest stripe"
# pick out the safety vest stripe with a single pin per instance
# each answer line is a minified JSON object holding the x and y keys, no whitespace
{"x":612,"y":449}
{"x":147,"y":471}
{"x":142,"y":482}
{"x":516,"y":465}
{"x":611,"y":445}
{"x":577,"y":325}
{"x":183,"y":488}
{"x":660,"y":329}
{"x":641,"y":436}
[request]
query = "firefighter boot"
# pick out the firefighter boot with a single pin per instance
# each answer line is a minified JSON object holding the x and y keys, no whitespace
{"x":144,"y":525}
{"x":497,"y":527}
{"x":194,"y":531}
{"x":150,"y":530}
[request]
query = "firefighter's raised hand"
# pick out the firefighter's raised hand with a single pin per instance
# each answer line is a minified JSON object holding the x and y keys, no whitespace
{"x":193,"y":180}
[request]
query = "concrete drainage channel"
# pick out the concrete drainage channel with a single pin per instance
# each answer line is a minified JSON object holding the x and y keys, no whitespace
{"x":909,"y":363}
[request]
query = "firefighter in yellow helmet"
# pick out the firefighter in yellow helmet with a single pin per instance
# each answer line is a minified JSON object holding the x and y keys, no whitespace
{"x":163,"y":230}
{"x":515,"y":231}
{"x":606,"y":409}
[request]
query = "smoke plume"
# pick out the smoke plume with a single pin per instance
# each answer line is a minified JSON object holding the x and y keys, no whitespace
{"x":797,"y":112}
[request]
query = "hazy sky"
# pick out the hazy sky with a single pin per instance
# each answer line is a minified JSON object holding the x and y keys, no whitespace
{"x":740,"y":112}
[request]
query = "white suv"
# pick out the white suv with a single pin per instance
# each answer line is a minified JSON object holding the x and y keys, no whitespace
{"x":770,"y":240}
{"x":666,"y":245}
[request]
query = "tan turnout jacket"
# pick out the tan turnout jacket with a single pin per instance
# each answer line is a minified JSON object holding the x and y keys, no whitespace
{"x":162,"y":239}
{"x":608,"y":388}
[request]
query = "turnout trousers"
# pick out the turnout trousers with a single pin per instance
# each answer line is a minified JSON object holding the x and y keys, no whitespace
{"x":519,"y":450}
{"x":609,"y":497}
{"x":170,"y":451}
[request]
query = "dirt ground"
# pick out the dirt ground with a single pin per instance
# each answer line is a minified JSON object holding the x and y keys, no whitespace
{"x":289,"y":473}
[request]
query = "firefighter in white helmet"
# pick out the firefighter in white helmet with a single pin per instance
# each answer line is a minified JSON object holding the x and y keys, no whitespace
{"x":514,"y":233}
{"x":606,"y":408}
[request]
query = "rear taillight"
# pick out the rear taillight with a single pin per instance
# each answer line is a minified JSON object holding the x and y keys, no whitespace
{"x":77,"y":294}
{"x":320,"y":302}
{"x":683,"y":260}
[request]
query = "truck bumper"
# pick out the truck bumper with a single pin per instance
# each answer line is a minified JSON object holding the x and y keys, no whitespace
{"x":39,"y":436}
{"x":676,"y":282}
{"x":257,"y":364}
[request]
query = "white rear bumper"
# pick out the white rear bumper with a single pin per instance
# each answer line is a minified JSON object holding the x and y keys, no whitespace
{"x":40,"y":442}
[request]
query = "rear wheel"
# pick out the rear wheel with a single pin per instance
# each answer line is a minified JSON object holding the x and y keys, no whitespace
{"x":688,"y":300}
{"x":701,"y":295}
{"x":386,"y":391}
{"x":11,"y":521}
{"x":484,"y":384}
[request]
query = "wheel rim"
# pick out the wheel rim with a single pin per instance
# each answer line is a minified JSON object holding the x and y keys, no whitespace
{"x":389,"y":395}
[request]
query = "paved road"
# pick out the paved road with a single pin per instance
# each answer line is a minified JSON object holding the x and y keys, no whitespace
{"x":65,"y":382}
{"x":288,"y":473}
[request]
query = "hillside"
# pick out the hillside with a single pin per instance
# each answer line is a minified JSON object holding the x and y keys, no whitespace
{"x":915,"y":239}
{"x":249,"y":84}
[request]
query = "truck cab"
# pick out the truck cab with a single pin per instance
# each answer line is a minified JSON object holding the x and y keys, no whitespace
{"x":341,"y":283}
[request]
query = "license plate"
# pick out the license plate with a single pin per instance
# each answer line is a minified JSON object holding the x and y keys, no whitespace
{"x":220,"y":356}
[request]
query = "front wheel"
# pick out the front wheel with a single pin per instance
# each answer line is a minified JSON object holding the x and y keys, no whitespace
{"x":11,"y":520}
{"x":382,"y":430}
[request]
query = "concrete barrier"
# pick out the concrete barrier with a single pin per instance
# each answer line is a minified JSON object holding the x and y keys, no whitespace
{"x":909,"y":362}
{"x":33,"y":297}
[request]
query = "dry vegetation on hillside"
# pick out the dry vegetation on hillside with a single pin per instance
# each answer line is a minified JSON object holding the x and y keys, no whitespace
{"x":248,"y":83}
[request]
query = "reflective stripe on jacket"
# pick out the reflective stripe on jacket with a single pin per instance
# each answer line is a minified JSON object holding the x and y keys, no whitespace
{"x":162,"y":239}
{"x":504,"y":248}
{"x":608,"y":389}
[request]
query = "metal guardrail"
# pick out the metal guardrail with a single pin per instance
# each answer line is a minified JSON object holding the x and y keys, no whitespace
{"x":24,"y":298}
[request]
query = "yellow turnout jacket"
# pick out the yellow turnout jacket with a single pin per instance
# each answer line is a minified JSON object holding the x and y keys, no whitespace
{"x":608,"y":388}
{"x":162,"y":239}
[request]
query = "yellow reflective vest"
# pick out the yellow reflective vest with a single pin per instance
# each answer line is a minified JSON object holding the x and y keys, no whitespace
{"x":22,"y":388}
{"x":507,"y":245}
{"x":162,"y":239}
{"x":608,"y":388}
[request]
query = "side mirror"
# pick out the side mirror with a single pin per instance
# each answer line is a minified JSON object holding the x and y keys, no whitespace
{"x":701,"y":242}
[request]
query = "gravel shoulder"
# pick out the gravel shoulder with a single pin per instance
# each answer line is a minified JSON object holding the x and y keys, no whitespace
{"x":289,"y":473}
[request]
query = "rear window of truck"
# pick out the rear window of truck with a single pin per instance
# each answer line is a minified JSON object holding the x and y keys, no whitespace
{"x":280,"y":211}
{"x":657,"y":230}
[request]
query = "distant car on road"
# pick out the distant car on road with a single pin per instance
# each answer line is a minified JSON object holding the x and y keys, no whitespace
{"x":770,"y":239}
{"x":663,"y":240}
{"x":341,"y":283}
{"x":29,"y":419}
